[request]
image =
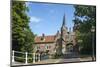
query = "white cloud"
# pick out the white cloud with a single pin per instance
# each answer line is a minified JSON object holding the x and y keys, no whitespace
{"x":35,"y":19}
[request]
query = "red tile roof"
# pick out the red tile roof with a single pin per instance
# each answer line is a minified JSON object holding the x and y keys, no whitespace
{"x":47,"y":39}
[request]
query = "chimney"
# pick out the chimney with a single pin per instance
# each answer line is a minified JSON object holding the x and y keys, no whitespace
{"x":43,"y":35}
{"x":42,"y":38}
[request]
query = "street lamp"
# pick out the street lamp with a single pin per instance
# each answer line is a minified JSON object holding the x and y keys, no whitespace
{"x":93,"y":30}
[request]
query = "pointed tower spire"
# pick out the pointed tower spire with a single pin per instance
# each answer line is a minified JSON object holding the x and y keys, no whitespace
{"x":57,"y":34}
{"x":64,"y":21}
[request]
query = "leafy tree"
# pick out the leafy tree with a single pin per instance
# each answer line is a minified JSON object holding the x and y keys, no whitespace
{"x":85,"y":18}
{"x":28,"y":41}
{"x":22,"y":37}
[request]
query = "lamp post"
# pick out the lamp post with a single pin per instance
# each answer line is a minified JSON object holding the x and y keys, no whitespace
{"x":93,"y":30}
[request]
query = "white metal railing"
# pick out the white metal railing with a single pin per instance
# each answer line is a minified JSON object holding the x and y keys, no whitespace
{"x":35,"y":56}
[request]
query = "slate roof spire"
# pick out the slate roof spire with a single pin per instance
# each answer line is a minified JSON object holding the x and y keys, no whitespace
{"x":64,"y":21}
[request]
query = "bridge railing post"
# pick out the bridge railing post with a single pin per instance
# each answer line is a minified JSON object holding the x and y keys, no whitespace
{"x":13,"y":59}
{"x":36,"y":57}
{"x":26,"y":58}
{"x":39,"y":57}
{"x":33,"y":57}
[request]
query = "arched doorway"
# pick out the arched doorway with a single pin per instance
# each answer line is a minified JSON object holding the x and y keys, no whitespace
{"x":69,"y":50}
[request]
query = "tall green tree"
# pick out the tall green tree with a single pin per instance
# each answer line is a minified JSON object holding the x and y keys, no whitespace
{"x":22,"y":37}
{"x":85,"y":18}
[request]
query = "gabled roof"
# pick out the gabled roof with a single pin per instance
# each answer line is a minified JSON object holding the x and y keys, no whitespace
{"x":46,"y":39}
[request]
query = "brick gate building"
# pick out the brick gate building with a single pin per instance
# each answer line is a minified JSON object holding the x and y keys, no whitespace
{"x":62,"y":42}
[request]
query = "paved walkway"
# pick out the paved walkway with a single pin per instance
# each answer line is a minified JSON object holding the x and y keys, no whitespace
{"x":39,"y":62}
{"x":56,"y":61}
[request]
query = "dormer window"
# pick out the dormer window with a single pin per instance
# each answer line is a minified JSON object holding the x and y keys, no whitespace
{"x":42,"y":38}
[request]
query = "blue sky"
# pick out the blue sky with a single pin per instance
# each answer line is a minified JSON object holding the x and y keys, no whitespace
{"x":47,"y":18}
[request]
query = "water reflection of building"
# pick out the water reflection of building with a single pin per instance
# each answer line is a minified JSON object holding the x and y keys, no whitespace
{"x":63,"y":41}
